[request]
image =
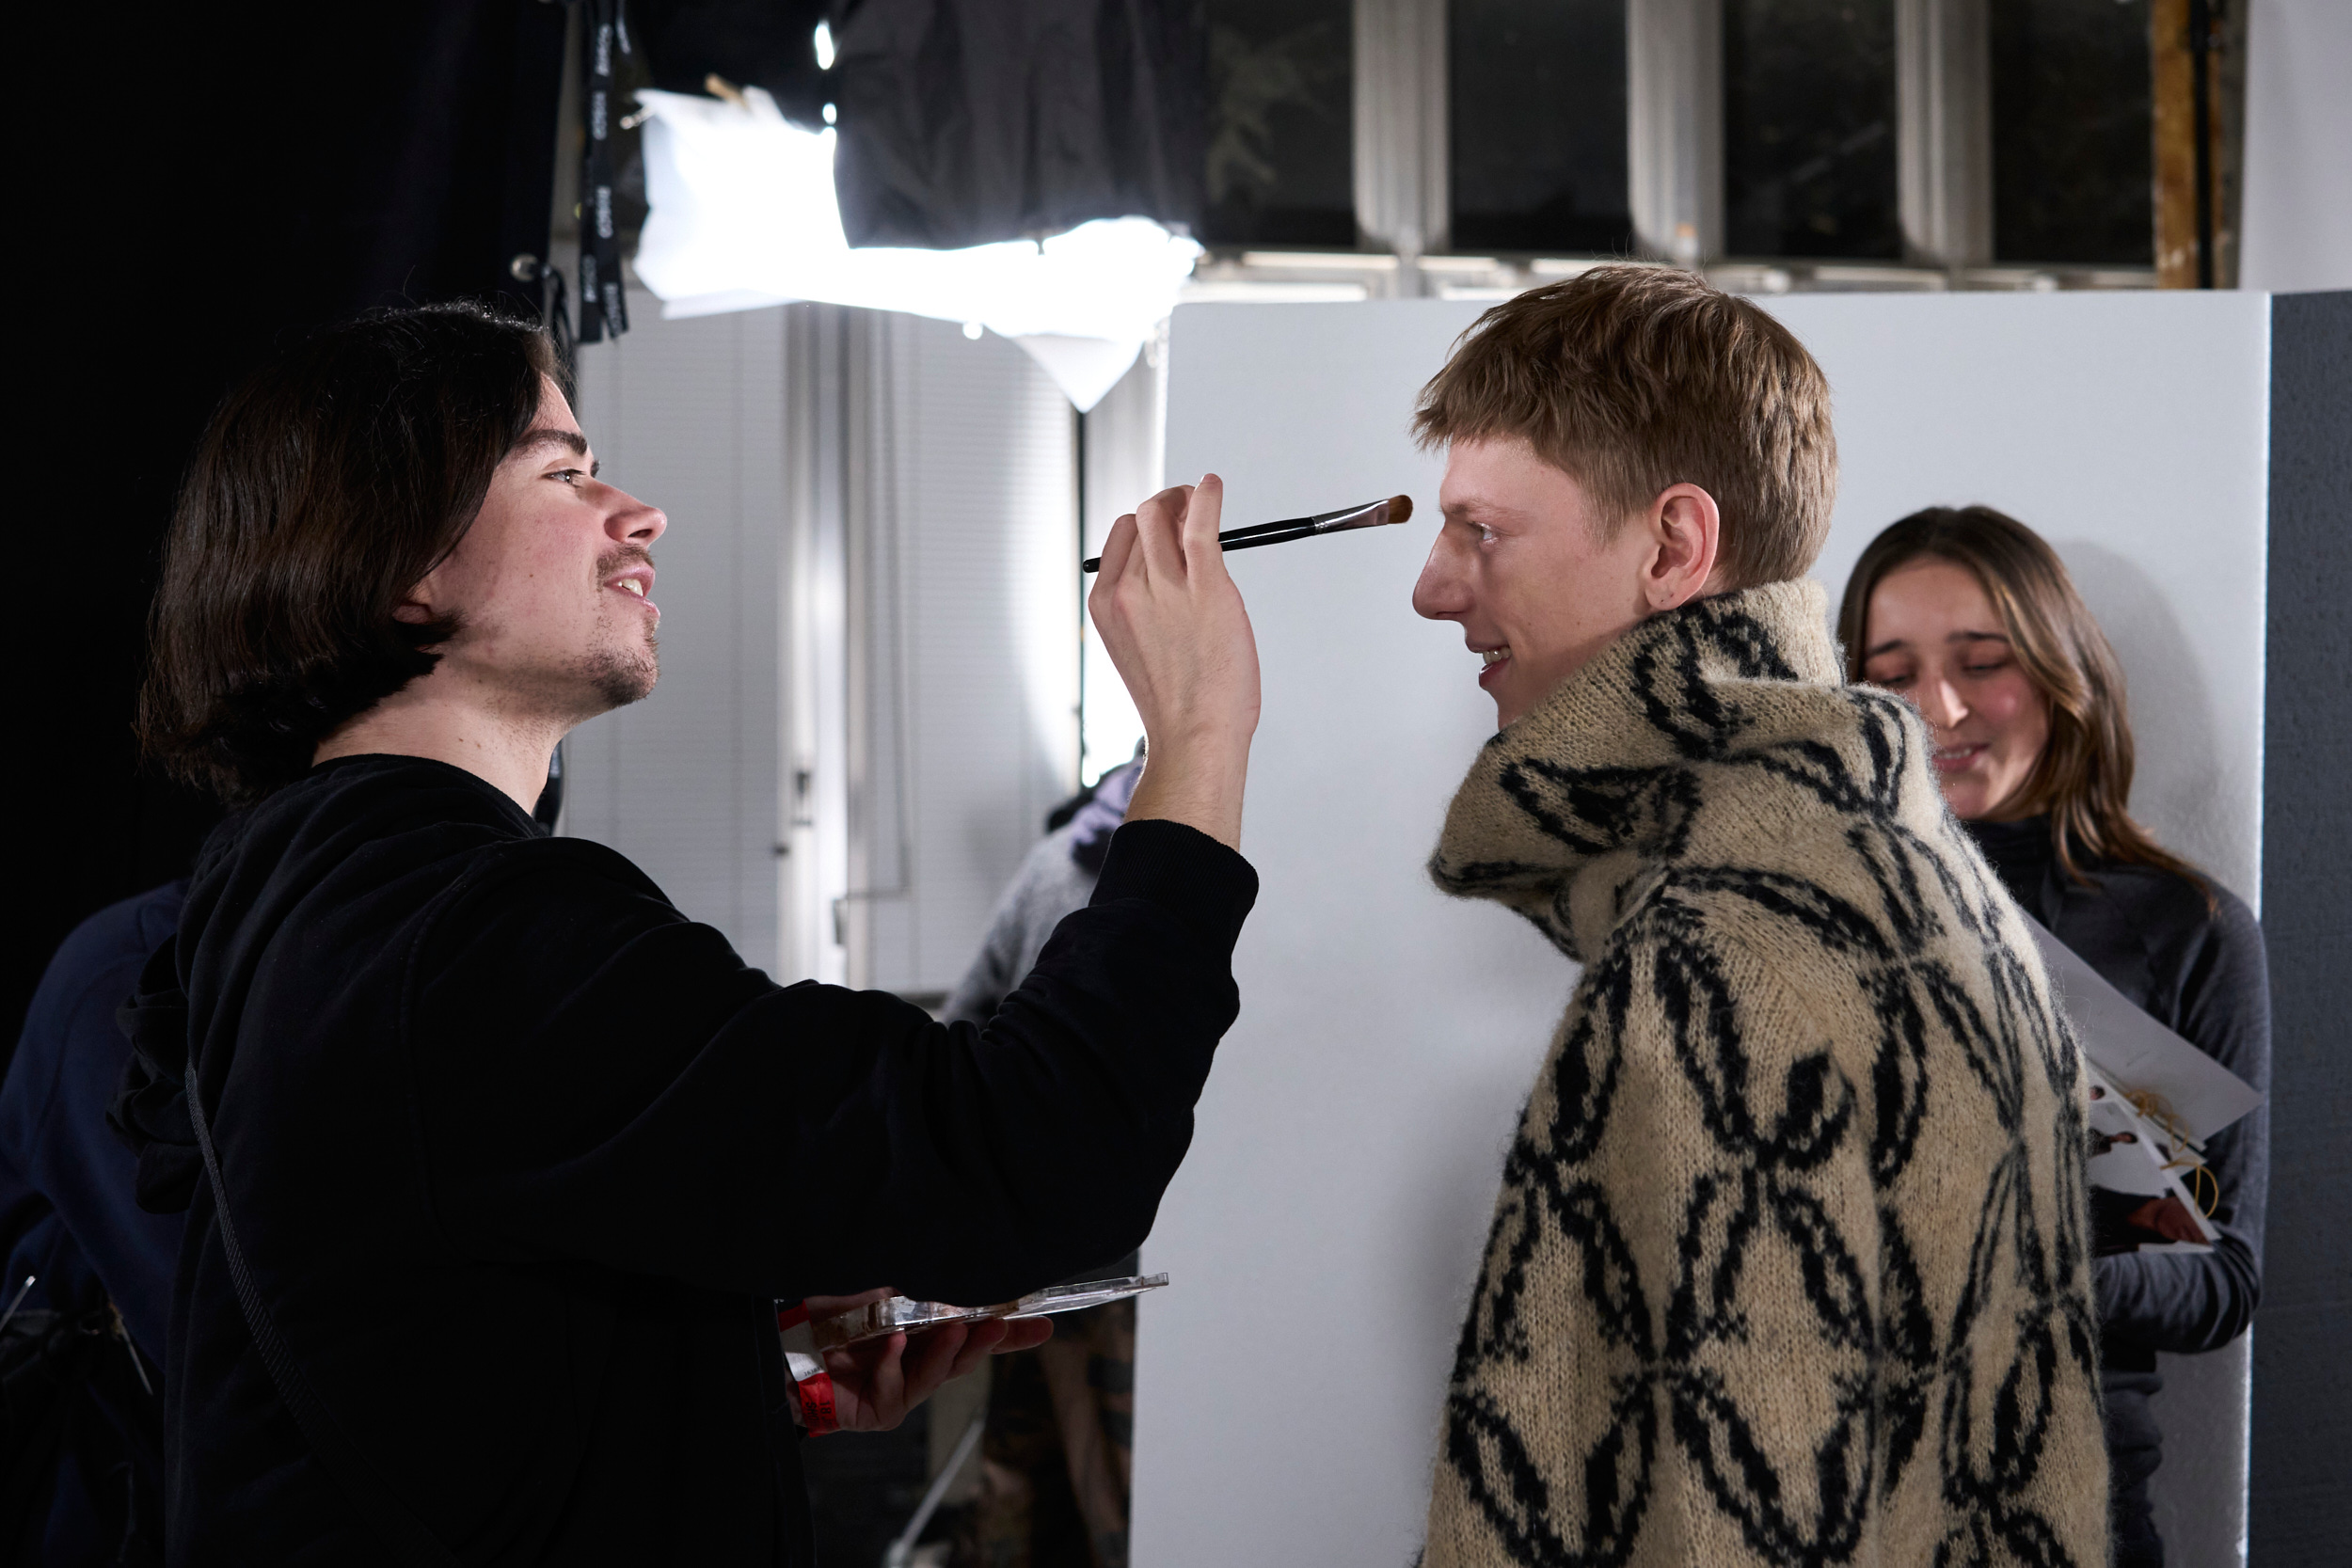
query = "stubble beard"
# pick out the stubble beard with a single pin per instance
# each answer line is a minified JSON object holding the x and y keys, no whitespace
{"x":620,"y":676}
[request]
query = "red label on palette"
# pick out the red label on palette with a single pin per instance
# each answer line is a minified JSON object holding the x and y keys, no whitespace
{"x":816,"y":1408}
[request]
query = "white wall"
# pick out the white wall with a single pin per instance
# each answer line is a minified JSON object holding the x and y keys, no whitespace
{"x":689,"y":416}
{"x":967,"y":561}
{"x":1351,"y":1136}
{"x":2297,"y":216}
{"x":2130,"y":430}
{"x":1125,"y":452}
{"x":921,"y":485}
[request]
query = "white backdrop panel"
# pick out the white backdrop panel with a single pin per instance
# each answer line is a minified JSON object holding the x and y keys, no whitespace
{"x":1352,"y":1134}
{"x":2130,"y":431}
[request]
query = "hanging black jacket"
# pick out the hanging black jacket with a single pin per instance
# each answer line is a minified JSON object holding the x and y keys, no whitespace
{"x":520,"y":1158}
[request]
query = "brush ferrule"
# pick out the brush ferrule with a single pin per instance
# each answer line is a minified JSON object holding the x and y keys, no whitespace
{"x":1372,"y":515}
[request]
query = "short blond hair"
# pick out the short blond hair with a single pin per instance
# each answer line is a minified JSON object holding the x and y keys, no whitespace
{"x":1629,"y":379}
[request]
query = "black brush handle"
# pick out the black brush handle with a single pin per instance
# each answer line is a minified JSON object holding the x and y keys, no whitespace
{"x":1251,"y":541}
{"x":1284,"y":526}
{"x":1244,"y":538}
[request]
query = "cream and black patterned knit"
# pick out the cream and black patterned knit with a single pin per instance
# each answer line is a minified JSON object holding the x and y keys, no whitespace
{"x":1789,"y":1261}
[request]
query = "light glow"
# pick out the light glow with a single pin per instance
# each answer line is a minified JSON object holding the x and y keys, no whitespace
{"x":1109,"y":728}
{"x":824,"y":46}
{"x":744,"y":215}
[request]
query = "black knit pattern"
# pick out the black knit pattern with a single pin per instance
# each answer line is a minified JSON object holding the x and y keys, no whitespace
{"x":1911,"y":1384}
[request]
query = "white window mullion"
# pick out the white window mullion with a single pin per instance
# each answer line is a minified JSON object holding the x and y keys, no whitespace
{"x":1674,"y":127}
{"x":1943,"y":131}
{"x":816,"y":645}
{"x":1400,"y":199}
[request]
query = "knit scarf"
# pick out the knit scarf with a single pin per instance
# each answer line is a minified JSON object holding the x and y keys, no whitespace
{"x":1788,"y":1264}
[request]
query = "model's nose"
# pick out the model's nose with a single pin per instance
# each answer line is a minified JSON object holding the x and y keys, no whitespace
{"x":1441,"y":591}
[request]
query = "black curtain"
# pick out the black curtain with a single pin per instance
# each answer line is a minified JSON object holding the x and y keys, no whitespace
{"x":746,"y":43}
{"x":194,"y":184}
{"x":968,"y":122}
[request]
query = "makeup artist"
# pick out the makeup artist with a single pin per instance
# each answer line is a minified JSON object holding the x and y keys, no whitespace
{"x":1971,"y":615}
{"x":496,"y":1164}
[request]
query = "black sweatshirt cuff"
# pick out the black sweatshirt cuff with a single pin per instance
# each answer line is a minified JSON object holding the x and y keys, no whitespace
{"x":1205,"y":885}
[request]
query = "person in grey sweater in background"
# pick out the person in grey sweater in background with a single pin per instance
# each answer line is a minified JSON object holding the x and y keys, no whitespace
{"x":1055,"y":1452}
{"x":1056,"y":876}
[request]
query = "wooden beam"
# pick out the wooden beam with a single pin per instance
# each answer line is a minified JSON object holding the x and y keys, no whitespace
{"x":2198,"y":59}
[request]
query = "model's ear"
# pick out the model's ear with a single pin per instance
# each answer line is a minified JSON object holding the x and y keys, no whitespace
{"x":1686,"y":530}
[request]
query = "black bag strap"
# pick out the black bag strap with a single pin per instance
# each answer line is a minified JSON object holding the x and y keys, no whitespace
{"x":404,"y":1536}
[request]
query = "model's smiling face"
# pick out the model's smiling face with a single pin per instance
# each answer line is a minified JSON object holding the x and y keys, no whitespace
{"x":1933,"y":635}
{"x":1521,"y":563}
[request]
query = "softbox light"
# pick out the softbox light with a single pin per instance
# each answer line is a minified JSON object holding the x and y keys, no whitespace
{"x":743,"y":214}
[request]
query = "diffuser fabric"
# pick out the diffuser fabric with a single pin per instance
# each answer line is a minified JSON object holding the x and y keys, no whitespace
{"x":742,"y":214}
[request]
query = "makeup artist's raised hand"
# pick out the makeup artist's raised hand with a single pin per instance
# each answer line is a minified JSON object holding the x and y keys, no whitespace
{"x":1175,"y":626}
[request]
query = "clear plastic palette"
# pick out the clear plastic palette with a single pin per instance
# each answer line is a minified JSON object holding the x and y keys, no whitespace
{"x":902,"y":1315}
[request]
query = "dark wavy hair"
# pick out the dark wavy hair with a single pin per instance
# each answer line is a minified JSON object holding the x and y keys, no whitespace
{"x":2083,"y":779}
{"x":329,"y":482}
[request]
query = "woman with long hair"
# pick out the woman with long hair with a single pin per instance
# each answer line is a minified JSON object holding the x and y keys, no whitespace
{"x":1971,"y":615}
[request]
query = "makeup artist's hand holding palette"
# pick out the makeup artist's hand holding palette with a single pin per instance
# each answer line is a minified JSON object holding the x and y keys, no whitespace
{"x":901,"y":1315}
{"x":1396,"y":509}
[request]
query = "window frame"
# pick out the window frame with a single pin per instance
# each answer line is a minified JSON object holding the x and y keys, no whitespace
{"x":1674,"y":170}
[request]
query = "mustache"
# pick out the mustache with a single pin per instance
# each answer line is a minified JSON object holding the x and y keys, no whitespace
{"x":627,"y":555}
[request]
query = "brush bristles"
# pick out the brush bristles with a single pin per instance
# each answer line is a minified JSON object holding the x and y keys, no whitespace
{"x":1376,"y":514}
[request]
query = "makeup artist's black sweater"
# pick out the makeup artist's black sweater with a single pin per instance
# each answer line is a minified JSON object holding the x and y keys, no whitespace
{"x":520,"y":1157}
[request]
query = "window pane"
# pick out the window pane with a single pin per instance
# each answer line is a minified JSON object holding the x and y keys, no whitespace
{"x":1281,"y":136}
{"x":2071,"y":175}
{"x":1809,"y":128}
{"x":1537,"y":110}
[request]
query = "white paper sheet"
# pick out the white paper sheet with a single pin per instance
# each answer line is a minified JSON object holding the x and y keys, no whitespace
{"x":2136,"y":1053}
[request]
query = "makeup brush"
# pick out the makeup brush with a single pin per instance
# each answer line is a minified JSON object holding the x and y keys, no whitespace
{"x":1396,"y":509}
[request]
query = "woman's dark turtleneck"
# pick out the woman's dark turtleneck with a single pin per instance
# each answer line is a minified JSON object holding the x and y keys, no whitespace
{"x":2195,"y":964}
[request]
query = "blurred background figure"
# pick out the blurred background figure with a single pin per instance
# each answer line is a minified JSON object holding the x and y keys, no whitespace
{"x":1056,"y":876}
{"x":82,"y":1351}
{"x":1055,"y":1457}
{"x":1971,"y":615}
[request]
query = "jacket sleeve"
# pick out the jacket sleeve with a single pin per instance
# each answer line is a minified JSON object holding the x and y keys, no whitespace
{"x":2187,"y":1303}
{"x":600,"y":1080}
